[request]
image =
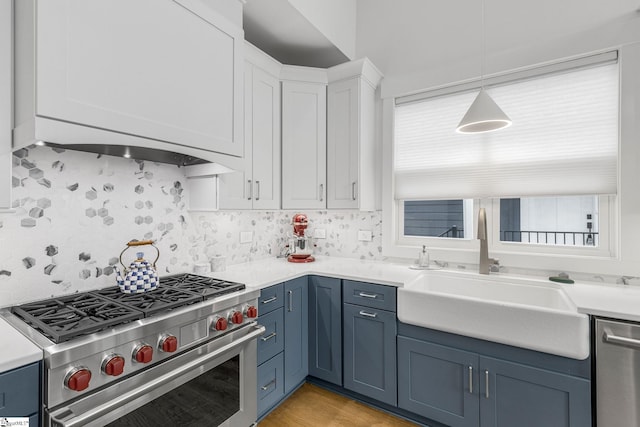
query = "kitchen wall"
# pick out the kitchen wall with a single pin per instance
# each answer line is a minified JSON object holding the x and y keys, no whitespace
{"x":75,"y":211}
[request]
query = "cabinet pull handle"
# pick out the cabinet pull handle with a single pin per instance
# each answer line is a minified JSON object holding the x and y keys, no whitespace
{"x":250,"y":190}
{"x":322,"y":192}
{"x":486,"y":384}
{"x":268,"y":300}
{"x":268,"y":337}
{"x":269,"y":384}
{"x":257,"y":190}
{"x":366,"y":295}
{"x":290,"y":300}
{"x":471,"y":379}
{"x":353,"y":191}
{"x":364,"y":313}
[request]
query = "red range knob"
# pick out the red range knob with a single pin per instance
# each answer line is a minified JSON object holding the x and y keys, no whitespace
{"x":113,"y":366}
{"x":236,"y":317}
{"x":169,"y":344}
{"x":143,"y":354}
{"x":220,"y":324}
{"x":251,"y":312}
{"x":78,"y":380}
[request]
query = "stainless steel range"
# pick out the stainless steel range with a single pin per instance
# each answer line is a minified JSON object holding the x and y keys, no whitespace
{"x":184,"y":354}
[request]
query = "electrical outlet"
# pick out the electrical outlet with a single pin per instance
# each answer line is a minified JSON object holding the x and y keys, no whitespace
{"x":320,"y":233}
{"x":365,"y":235}
{"x":246,"y":236}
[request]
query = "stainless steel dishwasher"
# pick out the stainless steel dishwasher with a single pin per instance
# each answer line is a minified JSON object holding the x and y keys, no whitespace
{"x":617,"y":373}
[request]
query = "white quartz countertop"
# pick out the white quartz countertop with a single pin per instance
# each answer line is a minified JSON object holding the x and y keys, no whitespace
{"x":608,"y":300}
{"x":17,"y":350}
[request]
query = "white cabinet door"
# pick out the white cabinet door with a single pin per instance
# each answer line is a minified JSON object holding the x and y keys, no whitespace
{"x":343,"y":135}
{"x":6,"y":65}
{"x":160,"y":69}
{"x":265,"y":136}
{"x":256,"y":182}
{"x":304,"y":145}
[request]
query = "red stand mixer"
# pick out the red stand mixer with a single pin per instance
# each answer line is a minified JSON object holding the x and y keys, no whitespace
{"x":300,"y":246}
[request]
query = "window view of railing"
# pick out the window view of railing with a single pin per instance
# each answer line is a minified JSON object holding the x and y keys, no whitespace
{"x":570,"y":238}
{"x":453,"y":232}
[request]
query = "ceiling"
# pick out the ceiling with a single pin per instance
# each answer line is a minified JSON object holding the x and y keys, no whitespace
{"x":280,"y":30}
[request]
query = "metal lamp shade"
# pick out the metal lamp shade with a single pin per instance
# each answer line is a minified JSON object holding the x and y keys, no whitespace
{"x":483,"y":115}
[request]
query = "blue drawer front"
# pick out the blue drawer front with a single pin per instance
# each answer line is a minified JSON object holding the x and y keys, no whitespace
{"x":369,"y":295}
{"x":20,"y":391}
{"x":272,"y":341}
{"x":270,"y":299}
{"x":270,"y":383}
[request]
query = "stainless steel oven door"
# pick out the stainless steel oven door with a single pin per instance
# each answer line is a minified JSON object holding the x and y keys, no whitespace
{"x":213,"y":384}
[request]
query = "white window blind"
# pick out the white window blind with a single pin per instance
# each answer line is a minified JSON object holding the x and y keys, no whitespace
{"x":563,"y":141}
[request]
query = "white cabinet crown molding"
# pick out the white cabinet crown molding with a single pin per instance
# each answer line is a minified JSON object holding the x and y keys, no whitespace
{"x":304,"y":74}
{"x":362,"y":68}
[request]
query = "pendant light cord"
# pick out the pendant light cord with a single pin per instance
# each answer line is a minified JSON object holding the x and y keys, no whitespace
{"x":484,"y":45}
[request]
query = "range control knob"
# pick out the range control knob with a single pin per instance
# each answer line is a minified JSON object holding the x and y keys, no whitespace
{"x":251,"y":312}
{"x":168,"y":343}
{"x":143,"y":353}
{"x":78,"y":379}
{"x":113,"y":365}
{"x":236,"y":317}
{"x":219,"y":324}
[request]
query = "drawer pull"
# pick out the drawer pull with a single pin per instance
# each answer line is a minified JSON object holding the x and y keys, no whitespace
{"x":268,"y":337}
{"x":471,"y":379}
{"x":366,"y":295}
{"x":267,"y":301}
{"x":365,"y":314}
{"x":290,"y":301}
{"x":269,"y":384}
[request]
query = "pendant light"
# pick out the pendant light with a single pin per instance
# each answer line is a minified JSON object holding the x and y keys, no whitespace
{"x":483,"y":115}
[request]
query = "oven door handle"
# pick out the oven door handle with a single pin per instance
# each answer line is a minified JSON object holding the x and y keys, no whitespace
{"x":60,"y":418}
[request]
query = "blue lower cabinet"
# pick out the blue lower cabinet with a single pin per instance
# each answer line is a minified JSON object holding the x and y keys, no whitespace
{"x":438,"y":382}
{"x":461,"y":388}
{"x":270,"y":383}
{"x":523,"y":396}
{"x":370,"y":352}
{"x":296,"y":330}
{"x":272,"y":340}
{"x":20,"y":392}
{"x":325,"y":329}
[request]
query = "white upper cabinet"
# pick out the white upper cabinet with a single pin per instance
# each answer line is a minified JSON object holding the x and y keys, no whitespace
{"x":351,"y":135}
{"x":256,"y":182}
{"x":304,"y":138}
{"x":165,"y":74}
{"x":6,"y":66}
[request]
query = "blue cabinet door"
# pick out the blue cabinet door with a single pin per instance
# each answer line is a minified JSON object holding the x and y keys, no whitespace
{"x":325,"y":329}
{"x":272,"y":341}
{"x":523,"y":396}
{"x":438,"y":382}
{"x":370,"y":352}
{"x":296,"y":332}
{"x":270,"y":384}
{"x":20,"y":391}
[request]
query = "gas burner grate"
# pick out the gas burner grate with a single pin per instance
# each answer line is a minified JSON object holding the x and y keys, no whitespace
{"x":159,"y":300}
{"x":64,"y":318}
{"x":207,"y":287}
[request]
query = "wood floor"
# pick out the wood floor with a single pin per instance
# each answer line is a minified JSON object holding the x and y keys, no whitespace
{"x":312,"y":406}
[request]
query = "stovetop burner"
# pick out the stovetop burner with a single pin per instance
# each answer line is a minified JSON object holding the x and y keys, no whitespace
{"x":64,"y":318}
{"x":207,"y":287}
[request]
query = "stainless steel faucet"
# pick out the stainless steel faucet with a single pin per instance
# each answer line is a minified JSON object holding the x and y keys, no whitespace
{"x":485,"y":262}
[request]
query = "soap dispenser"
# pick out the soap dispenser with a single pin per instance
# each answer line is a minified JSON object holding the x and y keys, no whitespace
{"x":423,"y":258}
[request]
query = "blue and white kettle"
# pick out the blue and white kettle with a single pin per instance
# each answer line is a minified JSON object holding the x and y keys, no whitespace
{"x":141,"y":276}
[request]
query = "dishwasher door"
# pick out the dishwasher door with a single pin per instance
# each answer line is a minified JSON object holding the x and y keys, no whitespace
{"x":617,"y":373}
